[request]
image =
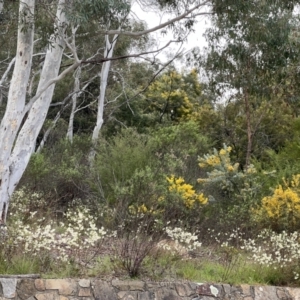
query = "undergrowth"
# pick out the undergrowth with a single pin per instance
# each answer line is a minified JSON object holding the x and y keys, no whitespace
{"x":154,"y":219}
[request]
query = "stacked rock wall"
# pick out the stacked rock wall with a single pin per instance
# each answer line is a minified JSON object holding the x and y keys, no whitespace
{"x":18,"y":288}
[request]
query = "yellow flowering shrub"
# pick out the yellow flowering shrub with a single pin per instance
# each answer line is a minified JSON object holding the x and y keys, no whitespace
{"x":282,"y":208}
{"x":176,"y":185}
{"x":220,"y":164}
{"x":228,"y":186}
{"x":186,"y":191}
{"x":175,"y":95}
{"x":143,"y":209}
{"x":217,"y":159}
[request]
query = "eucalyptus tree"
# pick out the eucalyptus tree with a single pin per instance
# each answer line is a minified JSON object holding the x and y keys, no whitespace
{"x":249,"y":51}
{"x":32,"y":82}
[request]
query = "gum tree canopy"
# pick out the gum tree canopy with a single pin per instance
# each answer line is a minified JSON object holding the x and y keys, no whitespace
{"x":252,"y":46}
{"x":50,"y":36}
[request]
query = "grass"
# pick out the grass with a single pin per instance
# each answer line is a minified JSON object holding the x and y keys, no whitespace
{"x":63,"y":271}
{"x":163,"y":265}
{"x":19,"y":265}
{"x":240,"y":271}
{"x":111,"y":257}
{"x":103,"y":266}
{"x":215,"y":272}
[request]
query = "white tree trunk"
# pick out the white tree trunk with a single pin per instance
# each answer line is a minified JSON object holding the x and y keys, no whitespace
{"x":25,"y":143}
{"x":14,"y":159}
{"x":108,"y":53}
{"x":74,"y":104}
{"x":16,"y":101}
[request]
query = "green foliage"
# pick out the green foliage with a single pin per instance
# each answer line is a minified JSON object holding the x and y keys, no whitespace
{"x":168,"y":150}
{"x":39,"y":168}
{"x":225,"y":175}
{"x":129,"y":109}
{"x":160,"y":265}
{"x":118,"y":159}
{"x":174,"y":95}
{"x":59,"y":173}
{"x":251,"y":59}
{"x":143,"y":183}
{"x":183,"y":139}
{"x":283,"y":163}
{"x":131,"y":171}
{"x":81,"y":12}
{"x":179,"y":145}
{"x":145,"y":198}
{"x":104,"y":266}
{"x":231,"y":191}
{"x":270,"y":123}
{"x":22,"y":264}
{"x":143,"y":245}
{"x":262,"y":25}
{"x":242,"y":272}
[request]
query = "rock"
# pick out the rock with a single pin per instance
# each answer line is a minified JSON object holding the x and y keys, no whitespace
{"x":64,"y":286}
{"x":207,"y":289}
{"x":84,"y":283}
{"x":129,"y":285}
{"x":84,"y":292}
{"x":295,"y":293}
{"x":265,"y":293}
{"x":25,"y":288}
{"x":184,"y":290}
{"x":47,"y":296}
{"x":103,"y":291}
{"x":9,"y":286}
{"x":128,"y":295}
{"x":166,"y":294}
{"x":39,"y":284}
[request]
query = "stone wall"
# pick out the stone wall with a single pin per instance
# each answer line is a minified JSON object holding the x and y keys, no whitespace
{"x":23,"y":288}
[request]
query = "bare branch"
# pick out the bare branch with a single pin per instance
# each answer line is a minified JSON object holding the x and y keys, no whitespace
{"x":39,"y":54}
{"x":163,"y":25}
{"x":102,"y":60}
{"x":7,"y":71}
{"x":50,"y":82}
{"x":83,"y":107}
{"x":72,"y":46}
{"x":145,"y":88}
{"x":65,"y":105}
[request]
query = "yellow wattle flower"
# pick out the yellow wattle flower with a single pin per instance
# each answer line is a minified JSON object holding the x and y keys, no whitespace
{"x":186,"y":191}
{"x":284,"y":204}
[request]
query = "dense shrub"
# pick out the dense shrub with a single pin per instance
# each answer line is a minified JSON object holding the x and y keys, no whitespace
{"x":231,"y":191}
{"x":281,"y":210}
{"x":50,"y":242}
{"x":117,"y":160}
{"x":60,"y":172}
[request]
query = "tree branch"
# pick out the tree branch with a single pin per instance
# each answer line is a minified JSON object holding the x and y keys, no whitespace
{"x":164,"y":66}
{"x":165,"y":24}
{"x":7,"y":71}
{"x":102,"y":60}
{"x":50,"y":82}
